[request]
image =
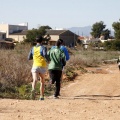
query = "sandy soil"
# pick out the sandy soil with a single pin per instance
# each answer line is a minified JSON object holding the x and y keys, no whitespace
{"x":92,"y":96}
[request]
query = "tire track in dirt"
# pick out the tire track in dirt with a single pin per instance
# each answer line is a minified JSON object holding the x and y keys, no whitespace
{"x":103,"y":81}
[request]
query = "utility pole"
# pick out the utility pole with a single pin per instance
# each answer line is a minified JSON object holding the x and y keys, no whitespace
{"x":82,"y":33}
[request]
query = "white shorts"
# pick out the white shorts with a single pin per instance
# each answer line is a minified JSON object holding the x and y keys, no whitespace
{"x":41,"y":70}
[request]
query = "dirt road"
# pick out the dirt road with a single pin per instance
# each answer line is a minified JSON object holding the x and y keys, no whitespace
{"x":92,"y":96}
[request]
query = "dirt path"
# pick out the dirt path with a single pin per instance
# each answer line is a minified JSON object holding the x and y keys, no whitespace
{"x":92,"y":96}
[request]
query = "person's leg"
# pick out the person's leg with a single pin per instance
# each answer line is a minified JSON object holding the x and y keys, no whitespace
{"x":58,"y":74}
{"x":119,"y":67}
{"x":51,"y":75}
{"x":61,"y":78}
{"x":57,"y":91}
{"x":42,"y":81}
{"x":34,"y":75}
{"x":55,"y":76}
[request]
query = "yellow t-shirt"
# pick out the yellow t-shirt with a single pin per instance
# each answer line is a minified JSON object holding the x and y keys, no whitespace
{"x":38,"y":59}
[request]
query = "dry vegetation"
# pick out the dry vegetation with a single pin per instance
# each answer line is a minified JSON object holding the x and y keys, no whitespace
{"x":15,"y":75}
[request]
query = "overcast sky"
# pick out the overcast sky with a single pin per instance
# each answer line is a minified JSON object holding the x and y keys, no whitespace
{"x":60,"y":13}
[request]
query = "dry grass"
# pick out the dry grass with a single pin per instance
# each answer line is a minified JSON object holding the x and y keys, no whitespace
{"x":15,"y":67}
{"x":91,"y":58}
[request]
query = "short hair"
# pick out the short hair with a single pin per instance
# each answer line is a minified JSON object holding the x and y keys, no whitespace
{"x":61,"y":41}
{"x":58,"y":43}
{"x":39,"y":39}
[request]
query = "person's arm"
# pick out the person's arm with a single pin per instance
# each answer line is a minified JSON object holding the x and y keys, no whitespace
{"x":48,"y":56}
{"x":44,"y":53}
{"x":63,"y":59}
{"x":67,"y":54}
{"x":63,"y":48}
{"x":30,"y":55}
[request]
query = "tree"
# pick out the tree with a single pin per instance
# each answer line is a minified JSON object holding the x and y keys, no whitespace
{"x":108,"y":45}
{"x":116,"y":27}
{"x":112,"y":45}
{"x":98,"y":29}
{"x":106,"y":34}
{"x":31,"y":34}
{"x":42,"y":29}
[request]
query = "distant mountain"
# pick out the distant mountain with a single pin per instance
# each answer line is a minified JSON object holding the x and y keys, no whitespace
{"x":84,"y":31}
{"x":81,"y":31}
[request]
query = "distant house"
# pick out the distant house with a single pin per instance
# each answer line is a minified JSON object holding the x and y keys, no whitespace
{"x":88,"y":40}
{"x":68,"y":37}
{"x":2,"y":35}
{"x":18,"y":36}
{"x":15,"y":32}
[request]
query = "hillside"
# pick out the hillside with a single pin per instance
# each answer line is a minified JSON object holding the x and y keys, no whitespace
{"x":84,"y":31}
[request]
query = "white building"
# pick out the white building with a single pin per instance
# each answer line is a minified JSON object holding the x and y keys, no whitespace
{"x":15,"y":32}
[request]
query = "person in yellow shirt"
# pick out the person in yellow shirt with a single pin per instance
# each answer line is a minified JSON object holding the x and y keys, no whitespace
{"x":38,"y":54}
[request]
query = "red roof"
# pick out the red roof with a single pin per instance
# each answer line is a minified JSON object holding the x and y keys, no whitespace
{"x":81,"y":38}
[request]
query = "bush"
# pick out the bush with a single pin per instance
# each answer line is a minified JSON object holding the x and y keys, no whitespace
{"x":112,"y":45}
{"x":15,"y":68}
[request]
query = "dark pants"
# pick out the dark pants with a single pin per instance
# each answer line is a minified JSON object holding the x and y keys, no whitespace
{"x":55,"y":76}
{"x":119,"y":67}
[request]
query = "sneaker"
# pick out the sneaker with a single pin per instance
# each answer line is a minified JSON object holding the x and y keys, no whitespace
{"x":53,"y":97}
{"x":41,"y":98}
{"x":56,"y":97}
{"x":33,"y":94}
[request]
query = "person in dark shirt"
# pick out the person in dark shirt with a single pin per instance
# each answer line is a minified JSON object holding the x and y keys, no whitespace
{"x":57,"y":60}
{"x":64,"y":49}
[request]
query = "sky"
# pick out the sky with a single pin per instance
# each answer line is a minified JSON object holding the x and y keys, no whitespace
{"x":59,"y":13}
